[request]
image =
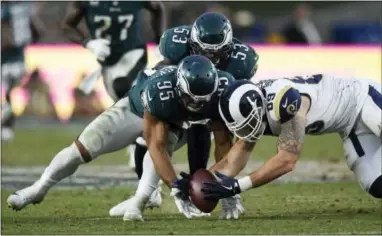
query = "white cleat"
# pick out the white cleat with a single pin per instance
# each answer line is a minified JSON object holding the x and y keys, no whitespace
{"x":7,"y":134}
{"x":154,"y":201}
{"x":20,"y":199}
{"x":134,"y":210}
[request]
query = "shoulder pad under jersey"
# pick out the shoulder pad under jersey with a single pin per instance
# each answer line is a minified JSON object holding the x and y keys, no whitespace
{"x":283,"y":101}
{"x":174,"y":43}
{"x":242,"y":62}
{"x":159,"y":98}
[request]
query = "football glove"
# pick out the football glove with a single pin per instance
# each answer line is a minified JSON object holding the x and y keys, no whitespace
{"x":231,"y":208}
{"x":226,"y":187}
{"x":100,"y":48}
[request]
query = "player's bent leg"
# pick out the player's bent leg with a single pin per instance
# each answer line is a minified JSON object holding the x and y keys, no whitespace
{"x":112,"y":130}
{"x":148,"y":184}
{"x":64,"y":164}
{"x":199,"y":145}
{"x":363,"y":156}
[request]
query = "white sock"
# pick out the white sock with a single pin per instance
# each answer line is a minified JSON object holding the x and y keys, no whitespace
{"x":149,"y":181}
{"x":64,"y":164}
{"x":131,"y":152}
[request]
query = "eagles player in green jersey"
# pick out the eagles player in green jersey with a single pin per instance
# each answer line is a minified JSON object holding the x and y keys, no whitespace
{"x":211,"y":35}
{"x":172,"y":98}
{"x":114,"y":37}
{"x":159,"y":103}
{"x":19,"y":27}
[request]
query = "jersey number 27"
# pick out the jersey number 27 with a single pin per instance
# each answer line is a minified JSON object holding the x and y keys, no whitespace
{"x":125,"y":20}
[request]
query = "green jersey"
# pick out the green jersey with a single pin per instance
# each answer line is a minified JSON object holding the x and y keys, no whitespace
{"x":18,"y":16}
{"x":241,"y":63}
{"x":155,"y":92}
{"x":117,"y":21}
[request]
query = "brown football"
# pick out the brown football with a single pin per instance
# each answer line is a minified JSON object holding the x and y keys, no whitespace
{"x":196,"y":195}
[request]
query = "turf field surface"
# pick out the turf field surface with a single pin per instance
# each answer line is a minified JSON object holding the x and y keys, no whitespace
{"x":316,"y":208}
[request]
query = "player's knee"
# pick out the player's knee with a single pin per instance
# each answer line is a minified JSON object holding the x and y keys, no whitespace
{"x":85,"y":155}
{"x":375,"y":189}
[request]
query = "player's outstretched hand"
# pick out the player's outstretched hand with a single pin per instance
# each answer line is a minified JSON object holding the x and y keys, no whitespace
{"x":231,"y":208}
{"x":226,"y":187}
{"x":183,"y":183}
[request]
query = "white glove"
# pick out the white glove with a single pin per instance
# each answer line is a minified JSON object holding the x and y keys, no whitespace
{"x":185,"y":206}
{"x":100,"y":47}
{"x":182,"y":205}
{"x":231,"y":207}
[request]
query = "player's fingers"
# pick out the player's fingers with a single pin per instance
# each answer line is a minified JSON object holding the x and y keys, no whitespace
{"x":210,"y":196}
{"x":240,"y":207}
{"x":229,"y":214}
{"x":235,"y":214}
{"x":105,"y":41}
{"x":178,"y":205}
{"x":220,"y":175}
{"x":186,"y":210}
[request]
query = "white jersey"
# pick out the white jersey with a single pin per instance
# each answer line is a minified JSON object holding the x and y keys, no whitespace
{"x":334,"y":102}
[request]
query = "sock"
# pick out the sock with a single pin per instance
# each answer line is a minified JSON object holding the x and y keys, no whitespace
{"x":199,"y":144}
{"x":376,"y":188}
{"x":140,"y":151}
{"x":149,"y":180}
{"x":131,"y":151}
{"x":64,"y":164}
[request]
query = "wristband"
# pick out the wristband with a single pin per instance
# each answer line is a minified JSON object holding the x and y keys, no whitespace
{"x":85,"y":41}
{"x":245,"y":183}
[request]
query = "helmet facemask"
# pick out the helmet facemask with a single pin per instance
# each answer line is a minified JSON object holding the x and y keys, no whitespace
{"x":205,"y":47}
{"x":191,"y":101}
{"x":252,"y":127}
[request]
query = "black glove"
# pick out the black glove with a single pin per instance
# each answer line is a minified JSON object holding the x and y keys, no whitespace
{"x":182,"y":184}
{"x":225,"y":188}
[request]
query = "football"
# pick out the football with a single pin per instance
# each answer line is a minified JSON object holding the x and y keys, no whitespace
{"x":196,"y":195}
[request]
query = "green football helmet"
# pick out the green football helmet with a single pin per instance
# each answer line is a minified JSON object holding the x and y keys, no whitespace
{"x":211,"y":36}
{"x":197,"y":81}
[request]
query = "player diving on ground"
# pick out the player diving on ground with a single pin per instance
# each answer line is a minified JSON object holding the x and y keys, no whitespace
{"x":290,"y":109}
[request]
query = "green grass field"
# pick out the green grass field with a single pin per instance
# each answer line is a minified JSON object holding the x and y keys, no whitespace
{"x":304,"y":208}
{"x":331,"y":208}
{"x":38,"y":147}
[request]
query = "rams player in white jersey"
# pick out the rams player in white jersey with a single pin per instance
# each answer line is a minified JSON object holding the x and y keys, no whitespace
{"x":290,"y":109}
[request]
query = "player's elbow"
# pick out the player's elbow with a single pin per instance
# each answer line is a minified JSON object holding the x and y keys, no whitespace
{"x":289,"y":161}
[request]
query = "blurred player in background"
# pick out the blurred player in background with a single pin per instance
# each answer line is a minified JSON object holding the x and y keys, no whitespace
{"x":115,"y":39}
{"x":19,"y":27}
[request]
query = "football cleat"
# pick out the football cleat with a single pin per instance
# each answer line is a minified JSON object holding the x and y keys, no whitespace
{"x":154,"y":201}
{"x":134,"y":210}
{"x":20,"y":199}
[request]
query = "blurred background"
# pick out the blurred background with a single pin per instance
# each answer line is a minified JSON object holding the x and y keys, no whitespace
{"x":55,"y":67}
